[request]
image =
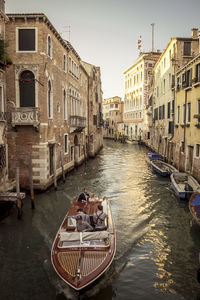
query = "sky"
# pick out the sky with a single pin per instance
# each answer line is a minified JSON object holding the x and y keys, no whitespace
{"x":105,"y":32}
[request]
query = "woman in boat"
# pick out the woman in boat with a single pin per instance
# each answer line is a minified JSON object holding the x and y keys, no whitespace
{"x":99,"y":219}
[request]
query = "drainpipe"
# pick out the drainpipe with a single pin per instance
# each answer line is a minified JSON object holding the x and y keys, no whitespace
{"x":184,"y":128}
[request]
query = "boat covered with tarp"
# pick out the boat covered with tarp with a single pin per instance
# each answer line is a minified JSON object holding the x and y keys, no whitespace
{"x":194,"y":206}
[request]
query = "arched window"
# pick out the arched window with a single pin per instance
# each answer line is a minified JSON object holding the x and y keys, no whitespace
{"x":64,"y":105}
{"x":49,"y":46}
{"x":27,"y":89}
{"x":49,"y":96}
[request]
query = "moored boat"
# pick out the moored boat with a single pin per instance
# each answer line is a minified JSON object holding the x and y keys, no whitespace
{"x":162,"y":168}
{"x":80,"y":258}
{"x":183,"y":184}
{"x":153,"y":155}
{"x":194,"y":206}
{"x":132,"y":142}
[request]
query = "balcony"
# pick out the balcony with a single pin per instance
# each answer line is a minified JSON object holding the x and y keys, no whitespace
{"x":5,"y":117}
{"x":77,"y":123}
{"x":25,"y":116}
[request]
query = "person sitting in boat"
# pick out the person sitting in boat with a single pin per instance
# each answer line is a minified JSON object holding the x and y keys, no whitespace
{"x":84,"y":215}
{"x":92,"y":198}
{"x":84,"y":197}
{"x":82,"y":226}
{"x":99,"y":219}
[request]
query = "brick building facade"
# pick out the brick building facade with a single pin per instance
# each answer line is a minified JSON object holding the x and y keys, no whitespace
{"x":48,"y":99}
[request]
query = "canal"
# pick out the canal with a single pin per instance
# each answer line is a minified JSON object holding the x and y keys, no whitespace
{"x":157,"y":247}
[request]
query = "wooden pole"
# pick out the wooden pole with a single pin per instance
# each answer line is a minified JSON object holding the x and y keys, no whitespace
{"x":62,"y":166}
{"x":19,"y":201}
{"x":31,"y":185}
{"x":54,"y":175}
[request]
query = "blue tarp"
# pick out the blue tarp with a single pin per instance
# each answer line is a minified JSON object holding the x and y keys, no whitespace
{"x":196,"y":200}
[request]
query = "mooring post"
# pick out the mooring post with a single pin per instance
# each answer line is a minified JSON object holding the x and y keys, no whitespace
{"x":62,"y":166}
{"x":19,"y":201}
{"x":54,"y":175}
{"x":31,"y":185}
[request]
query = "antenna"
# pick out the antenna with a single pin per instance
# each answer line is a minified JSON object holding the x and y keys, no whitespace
{"x":68,"y":31}
{"x":153,"y":24}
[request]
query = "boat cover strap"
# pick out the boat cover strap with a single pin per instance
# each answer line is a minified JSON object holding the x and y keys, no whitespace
{"x":86,"y":236}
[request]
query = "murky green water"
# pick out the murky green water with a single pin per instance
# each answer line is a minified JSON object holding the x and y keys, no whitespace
{"x":157,"y":248}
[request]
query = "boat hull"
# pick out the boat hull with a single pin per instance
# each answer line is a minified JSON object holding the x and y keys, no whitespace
{"x":180,"y":183}
{"x":82,"y":263}
{"x":162,"y":167}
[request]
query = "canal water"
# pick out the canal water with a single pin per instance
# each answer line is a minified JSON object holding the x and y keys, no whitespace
{"x":157,"y":245}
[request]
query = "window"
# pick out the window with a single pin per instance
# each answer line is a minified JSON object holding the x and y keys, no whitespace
{"x":50,"y":114}
{"x":172,"y":106}
{"x":178,"y":114}
{"x":189,"y":112}
{"x":160,"y":112}
{"x":187,"y":48}
{"x":150,"y":65}
{"x":156,"y":114}
{"x":184,"y":113}
{"x":198,"y":111}
{"x":178,"y":82}
{"x":171,"y":127}
{"x":197,"y":73}
{"x":64,"y":62}
{"x":163,"y":111}
{"x":27,"y":89}
{"x":49,"y":46}
{"x":168,"y":110}
{"x":197,"y":150}
{"x":66,"y":143}
{"x":73,"y":68}
{"x":64,"y":105}
{"x":26,"y":39}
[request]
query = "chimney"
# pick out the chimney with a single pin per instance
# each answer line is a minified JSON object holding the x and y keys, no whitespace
{"x":2,"y":5}
{"x":195,"y":33}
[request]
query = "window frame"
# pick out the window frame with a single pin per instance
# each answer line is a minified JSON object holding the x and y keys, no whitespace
{"x":17,"y":39}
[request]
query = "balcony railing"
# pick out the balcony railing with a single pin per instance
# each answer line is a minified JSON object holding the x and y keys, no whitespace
{"x":78,"y":122}
{"x":24,"y":116}
{"x":5,"y":117}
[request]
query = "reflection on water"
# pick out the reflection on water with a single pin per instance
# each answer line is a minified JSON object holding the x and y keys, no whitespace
{"x":157,"y":249}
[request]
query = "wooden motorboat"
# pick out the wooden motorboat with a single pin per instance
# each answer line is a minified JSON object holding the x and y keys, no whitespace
{"x":194,"y":206}
{"x":183,"y":184}
{"x":79,"y":258}
{"x":162,"y":167}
